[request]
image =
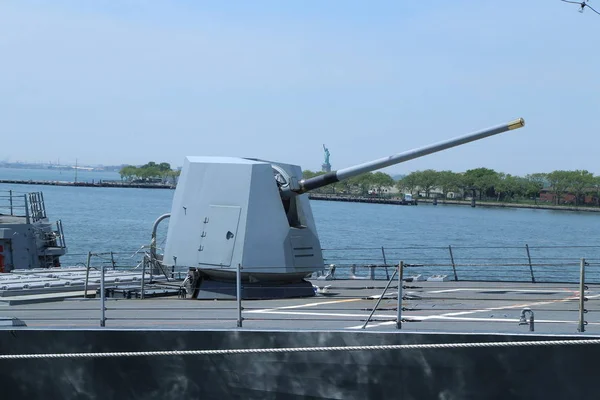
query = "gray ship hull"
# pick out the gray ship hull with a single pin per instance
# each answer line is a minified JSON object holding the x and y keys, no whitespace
{"x":468,"y":373}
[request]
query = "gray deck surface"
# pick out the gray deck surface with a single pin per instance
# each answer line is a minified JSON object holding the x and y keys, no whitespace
{"x":432,"y":307}
{"x":10,"y":219}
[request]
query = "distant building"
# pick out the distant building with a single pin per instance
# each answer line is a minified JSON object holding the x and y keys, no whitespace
{"x":549,"y":196}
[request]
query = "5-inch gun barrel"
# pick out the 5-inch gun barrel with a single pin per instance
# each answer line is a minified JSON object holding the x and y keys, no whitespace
{"x":345,"y":173}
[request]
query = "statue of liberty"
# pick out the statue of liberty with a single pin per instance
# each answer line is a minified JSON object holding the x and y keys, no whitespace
{"x":326,"y":166}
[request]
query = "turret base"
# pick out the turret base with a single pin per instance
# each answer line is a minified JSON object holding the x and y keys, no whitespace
{"x":223,"y":290}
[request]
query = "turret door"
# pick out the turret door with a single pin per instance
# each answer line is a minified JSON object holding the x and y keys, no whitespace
{"x":219,"y":235}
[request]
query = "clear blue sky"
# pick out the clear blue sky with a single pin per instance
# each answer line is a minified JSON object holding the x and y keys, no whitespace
{"x":130,"y":81}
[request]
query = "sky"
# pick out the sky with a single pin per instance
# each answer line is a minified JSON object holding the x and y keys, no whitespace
{"x":131,"y":81}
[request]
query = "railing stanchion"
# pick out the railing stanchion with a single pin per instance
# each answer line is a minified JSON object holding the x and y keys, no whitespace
{"x":387,"y":274}
{"x":143,"y":282}
{"x":399,"y":303}
{"x":453,"y":264}
{"x":87,"y":274}
{"x":239,"y":294}
{"x":530,"y":265}
{"x":380,"y":298}
{"x":26,"y":209}
{"x":581,"y":327}
{"x":102,"y":298}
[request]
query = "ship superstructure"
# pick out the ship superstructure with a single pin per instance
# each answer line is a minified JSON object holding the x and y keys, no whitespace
{"x":28,"y":239}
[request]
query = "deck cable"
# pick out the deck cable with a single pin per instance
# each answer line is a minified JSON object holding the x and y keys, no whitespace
{"x":424,"y":346}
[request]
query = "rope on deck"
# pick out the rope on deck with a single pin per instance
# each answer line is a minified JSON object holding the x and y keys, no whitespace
{"x":575,"y":342}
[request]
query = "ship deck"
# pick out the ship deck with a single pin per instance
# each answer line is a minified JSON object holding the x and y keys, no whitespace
{"x":12,"y":219}
{"x":474,"y":307}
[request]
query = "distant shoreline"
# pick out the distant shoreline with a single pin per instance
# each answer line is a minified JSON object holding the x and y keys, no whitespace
{"x":512,"y":205}
{"x":100,"y":183}
{"x":491,"y":204}
{"x":314,"y":196}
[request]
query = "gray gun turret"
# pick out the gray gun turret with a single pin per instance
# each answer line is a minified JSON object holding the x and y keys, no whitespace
{"x":228,"y":213}
{"x":309,"y":184}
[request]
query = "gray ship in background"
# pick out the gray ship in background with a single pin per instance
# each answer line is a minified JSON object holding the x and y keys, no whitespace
{"x":243,"y":233}
{"x":28,"y":240}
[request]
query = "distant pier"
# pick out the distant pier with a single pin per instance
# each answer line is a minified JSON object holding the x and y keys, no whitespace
{"x":490,"y":204}
{"x":362,"y":199}
{"x":99,"y":183}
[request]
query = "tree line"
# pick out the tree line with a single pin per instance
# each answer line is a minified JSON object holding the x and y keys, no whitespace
{"x":149,"y":171}
{"x":360,"y":185}
{"x":484,"y":183}
{"x":488,"y":184}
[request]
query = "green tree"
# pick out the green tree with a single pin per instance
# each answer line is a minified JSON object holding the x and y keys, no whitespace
{"x":559,"y":182}
{"x":596,"y":185}
{"x":174,"y":174}
{"x":538,"y":178}
{"x":128,"y":172}
{"x":448,"y":181}
{"x":382,"y":180}
{"x":165,"y":171}
{"x":306,"y":174}
{"x":509,"y":186}
{"x":147,"y":171}
{"x":481,"y":179}
{"x":580,"y":182}
{"x":426,"y":180}
{"x":331,"y":188}
{"x":536,"y":183}
{"x":150,"y":172}
{"x":362,"y":182}
{"x":408,"y":183}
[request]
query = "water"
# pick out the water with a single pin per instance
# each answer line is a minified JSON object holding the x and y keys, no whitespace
{"x":487,"y":243}
{"x":57,"y":175}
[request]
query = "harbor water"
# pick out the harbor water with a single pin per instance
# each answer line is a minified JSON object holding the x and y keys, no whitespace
{"x":458,"y":241}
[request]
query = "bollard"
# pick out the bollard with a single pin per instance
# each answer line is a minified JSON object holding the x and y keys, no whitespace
{"x":531,"y":323}
{"x":523,"y":319}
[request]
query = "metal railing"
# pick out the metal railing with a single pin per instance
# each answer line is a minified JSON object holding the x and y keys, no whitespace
{"x":429,"y":291}
{"x":401,"y":302}
{"x":14,"y":203}
{"x":28,"y":205}
{"x":524,"y":263}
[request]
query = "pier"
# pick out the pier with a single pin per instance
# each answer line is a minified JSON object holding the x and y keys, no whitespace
{"x":100,"y":183}
{"x":362,"y":199}
{"x":435,"y":202}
